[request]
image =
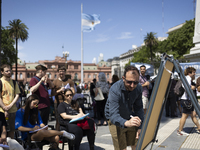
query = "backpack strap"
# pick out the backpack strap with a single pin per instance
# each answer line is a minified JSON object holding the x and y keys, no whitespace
{"x":41,"y":83}
{"x":0,"y":86}
{"x":143,"y":78}
{"x":14,"y":83}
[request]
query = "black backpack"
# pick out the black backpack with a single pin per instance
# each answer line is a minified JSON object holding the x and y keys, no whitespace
{"x":178,"y":89}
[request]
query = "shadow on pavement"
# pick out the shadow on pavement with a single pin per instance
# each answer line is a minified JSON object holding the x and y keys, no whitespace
{"x":85,"y":146}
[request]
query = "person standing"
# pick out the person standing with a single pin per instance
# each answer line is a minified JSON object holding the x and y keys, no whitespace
{"x":92,"y":87}
{"x":124,"y":109}
{"x":39,"y":85}
{"x":145,"y":87}
{"x":58,"y":89}
{"x":188,"y":108}
{"x":8,"y":98}
{"x":170,"y":106}
{"x":198,"y":84}
{"x":100,"y":104}
{"x":92,"y":95}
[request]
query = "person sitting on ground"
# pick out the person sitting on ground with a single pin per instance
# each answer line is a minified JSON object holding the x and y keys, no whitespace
{"x":12,"y":143}
{"x":67,"y":113}
{"x":28,"y":119}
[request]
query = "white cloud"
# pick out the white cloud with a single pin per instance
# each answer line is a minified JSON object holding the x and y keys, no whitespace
{"x":126,"y":35}
{"x":102,"y":38}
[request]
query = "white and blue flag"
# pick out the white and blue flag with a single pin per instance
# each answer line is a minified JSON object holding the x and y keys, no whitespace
{"x":89,"y":22}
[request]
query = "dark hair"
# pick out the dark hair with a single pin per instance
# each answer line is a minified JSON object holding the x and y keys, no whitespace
{"x":61,"y":68}
{"x":75,"y":105}
{"x":33,"y":113}
{"x":78,"y":90}
{"x":68,"y":90}
{"x":189,"y":70}
{"x":40,"y":67}
{"x":143,"y":66}
{"x":4,"y":66}
{"x":94,"y":80}
{"x":128,"y":68}
{"x":115,"y":78}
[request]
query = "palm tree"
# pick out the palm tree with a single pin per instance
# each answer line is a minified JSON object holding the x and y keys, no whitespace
{"x":17,"y":31}
{"x":150,"y":40}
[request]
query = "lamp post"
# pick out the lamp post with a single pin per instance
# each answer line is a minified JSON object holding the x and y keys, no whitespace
{"x":65,"y":55}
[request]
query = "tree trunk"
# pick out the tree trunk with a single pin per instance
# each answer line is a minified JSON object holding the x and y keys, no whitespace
{"x":151,"y":55}
{"x":16,"y":59}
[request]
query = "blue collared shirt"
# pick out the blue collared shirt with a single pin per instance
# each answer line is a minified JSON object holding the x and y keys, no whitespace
{"x":121,"y":103}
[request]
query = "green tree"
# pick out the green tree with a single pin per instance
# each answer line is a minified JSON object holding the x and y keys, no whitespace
{"x":179,"y":42}
{"x":17,"y":31}
{"x":150,"y":41}
{"x":7,"y":48}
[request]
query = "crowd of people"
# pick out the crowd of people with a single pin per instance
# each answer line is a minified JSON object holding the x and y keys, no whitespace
{"x":120,"y":105}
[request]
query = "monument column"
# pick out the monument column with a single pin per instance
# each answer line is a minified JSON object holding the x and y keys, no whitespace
{"x":194,"y":55}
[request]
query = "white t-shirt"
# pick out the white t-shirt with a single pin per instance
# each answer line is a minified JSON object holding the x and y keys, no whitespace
{"x":185,"y":95}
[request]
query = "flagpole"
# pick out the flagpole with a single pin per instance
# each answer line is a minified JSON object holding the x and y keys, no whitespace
{"x":81,"y":45}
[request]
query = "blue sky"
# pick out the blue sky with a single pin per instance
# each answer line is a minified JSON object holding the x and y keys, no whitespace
{"x":54,"y":23}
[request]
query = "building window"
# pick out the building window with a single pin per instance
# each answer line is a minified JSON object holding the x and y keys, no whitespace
{"x":76,"y":76}
{"x":55,"y":76}
{"x":89,"y":76}
{"x":84,"y":76}
{"x":13,"y":76}
{"x":94,"y":76}
{"x":28,"y":75}
{"x":20,"y":76}
{"x":108,"y":76}
{"x":75,"y":66}
{"x":49,"y":75}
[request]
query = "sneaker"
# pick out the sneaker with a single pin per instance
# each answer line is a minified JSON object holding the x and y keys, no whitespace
{"x":68,"y":135}
{"x":182,"y":133}
{"x":198,"y":130}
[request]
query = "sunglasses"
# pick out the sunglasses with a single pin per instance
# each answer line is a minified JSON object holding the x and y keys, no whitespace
{"x":69,"y":95}
{"x":35,"y":104}
{"x":130,"y":82}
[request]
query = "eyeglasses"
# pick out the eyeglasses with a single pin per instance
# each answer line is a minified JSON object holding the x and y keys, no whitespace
{"x":130,"y":82}
{"x":35,"y":104}
{"x":69,"y":95}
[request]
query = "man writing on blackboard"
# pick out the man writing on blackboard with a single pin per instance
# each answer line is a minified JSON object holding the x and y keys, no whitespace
{"x":124,"y":109}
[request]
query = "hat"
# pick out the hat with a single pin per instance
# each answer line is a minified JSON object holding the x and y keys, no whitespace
{"x":41,"y":67}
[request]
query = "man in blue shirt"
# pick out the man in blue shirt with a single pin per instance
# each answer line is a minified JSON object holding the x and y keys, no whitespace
{"x":124,"y":109}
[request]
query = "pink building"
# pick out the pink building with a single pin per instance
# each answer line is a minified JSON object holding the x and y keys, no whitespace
{"x":90,"y":71}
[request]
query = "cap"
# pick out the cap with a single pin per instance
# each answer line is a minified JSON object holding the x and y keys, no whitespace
{"x":41,"y":67}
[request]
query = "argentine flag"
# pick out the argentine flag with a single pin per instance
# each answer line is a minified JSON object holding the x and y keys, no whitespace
{"x":89,"y":22}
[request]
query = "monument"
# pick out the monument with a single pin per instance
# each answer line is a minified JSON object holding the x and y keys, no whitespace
{"x":194,"y":55}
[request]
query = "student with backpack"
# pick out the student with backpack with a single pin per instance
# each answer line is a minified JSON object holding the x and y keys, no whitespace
{"x":145,"y":87}
{"x":8,"y":97}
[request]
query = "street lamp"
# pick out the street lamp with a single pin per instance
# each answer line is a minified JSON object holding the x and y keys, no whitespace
{"x":65,"y":55}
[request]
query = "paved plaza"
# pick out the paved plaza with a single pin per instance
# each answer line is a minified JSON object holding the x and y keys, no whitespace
{"x":167,"y":137}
